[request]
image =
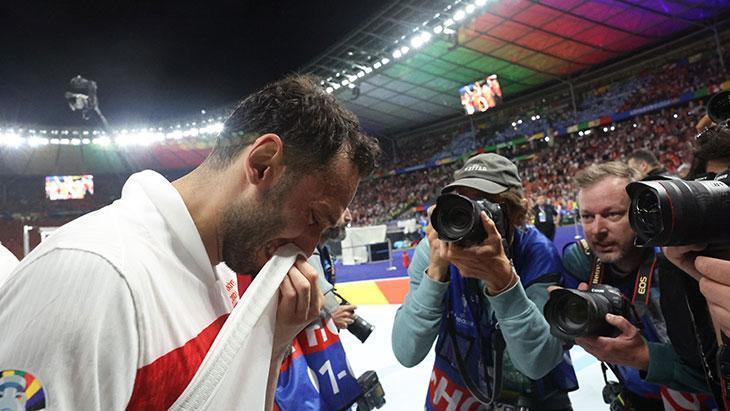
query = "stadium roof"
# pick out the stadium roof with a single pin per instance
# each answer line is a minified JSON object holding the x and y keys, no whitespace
{"x":527,"y":43}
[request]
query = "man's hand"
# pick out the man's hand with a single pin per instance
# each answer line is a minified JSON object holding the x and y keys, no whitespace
{"x":486,"y":261}
{"x":703,"y":124}
{"x":438,"y":265}
{"x":300,"y":301}
{"x":343,"y":316}
{"x":629,"y":348}
{"x":715,"y":286}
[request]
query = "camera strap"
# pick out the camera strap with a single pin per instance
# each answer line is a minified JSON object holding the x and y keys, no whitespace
{"x":723,"y":365}
{"x":716,"y":382}
{"x":498,"y":346}
{"x":642,"y":284}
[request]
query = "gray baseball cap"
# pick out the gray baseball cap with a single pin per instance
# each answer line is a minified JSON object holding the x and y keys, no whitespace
{"x":487,"y":172}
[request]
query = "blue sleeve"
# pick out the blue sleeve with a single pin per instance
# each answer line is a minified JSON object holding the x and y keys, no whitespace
{"x":418,"y":319}
{"x":536,"y":258}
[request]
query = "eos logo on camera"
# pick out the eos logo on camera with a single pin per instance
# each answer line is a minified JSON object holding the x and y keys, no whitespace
{"x":642,"y":285}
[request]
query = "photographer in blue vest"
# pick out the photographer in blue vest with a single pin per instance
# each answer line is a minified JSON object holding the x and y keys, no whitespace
{"x":480,"y":298}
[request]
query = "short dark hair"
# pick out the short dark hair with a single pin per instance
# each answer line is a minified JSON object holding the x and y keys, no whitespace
{"x":311,"y":123}
{"x":644,"y":155}
{"x":711,"y":144}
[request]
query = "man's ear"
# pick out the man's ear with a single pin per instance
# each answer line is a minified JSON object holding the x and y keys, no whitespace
{"x":264,"y":161}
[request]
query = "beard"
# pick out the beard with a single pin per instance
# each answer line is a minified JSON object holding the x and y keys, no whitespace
{"x":335,"y":234}
{"x":246,"y":228}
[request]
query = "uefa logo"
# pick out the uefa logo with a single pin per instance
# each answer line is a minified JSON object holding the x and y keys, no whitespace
{"x":20,"y":390}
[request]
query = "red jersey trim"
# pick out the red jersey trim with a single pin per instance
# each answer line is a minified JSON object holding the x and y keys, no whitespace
{"x":157,"y":385}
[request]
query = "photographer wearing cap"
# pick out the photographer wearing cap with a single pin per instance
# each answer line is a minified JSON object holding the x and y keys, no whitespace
{"x":478,"y":297}
{"x":642,"y":358}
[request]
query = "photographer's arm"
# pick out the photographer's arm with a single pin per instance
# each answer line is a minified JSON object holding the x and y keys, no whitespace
{"x":667,"y":368}
{"x":417,"y":320}
{"x":531,"y":347}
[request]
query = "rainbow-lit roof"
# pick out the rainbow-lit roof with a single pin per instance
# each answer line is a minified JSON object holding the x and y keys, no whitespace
{"x":526,"y":43}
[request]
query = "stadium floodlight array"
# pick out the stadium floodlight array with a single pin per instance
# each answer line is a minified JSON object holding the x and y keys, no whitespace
{"x":442,"y":23}
{"x":21,"y":137}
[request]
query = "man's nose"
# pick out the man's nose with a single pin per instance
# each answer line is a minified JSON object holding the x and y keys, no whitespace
{"x":600,"y":225}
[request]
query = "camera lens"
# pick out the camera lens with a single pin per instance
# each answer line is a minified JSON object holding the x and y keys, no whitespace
{"x":576,"y":313}
{"x":677,"y":212}
{"x":360,"y":328}
{"x":718,"y":108}
{"x":573,"y":313}
{"x":456,"y":218}
{"x":459,"y":218}
{"x":574,"y":316}
{"x":649,"y":214}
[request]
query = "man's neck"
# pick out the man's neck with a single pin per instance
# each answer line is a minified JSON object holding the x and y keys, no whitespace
{"x":204,"y":210}
{"x":632,"y":262}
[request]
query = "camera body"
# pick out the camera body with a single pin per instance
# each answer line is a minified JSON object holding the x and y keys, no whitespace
{"x":574,"y":313}
{"x":359,"y":327}
{"x":672,"y":212}
{"x":456,"y":218}
{"x":373,"y":395}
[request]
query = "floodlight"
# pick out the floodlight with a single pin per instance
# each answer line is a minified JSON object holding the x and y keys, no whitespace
{"x":416,"y":41}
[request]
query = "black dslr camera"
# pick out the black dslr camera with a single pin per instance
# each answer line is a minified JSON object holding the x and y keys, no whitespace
{"x":359,"y":327}
{"x":574,"y":313}
{"x":373,"y":395}
{"x":456,"y":219}
{"x":671,"y":212}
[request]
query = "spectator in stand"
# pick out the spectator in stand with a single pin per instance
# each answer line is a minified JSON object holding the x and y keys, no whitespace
{"x":546,"y":218}
{"x":646,"y":164}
